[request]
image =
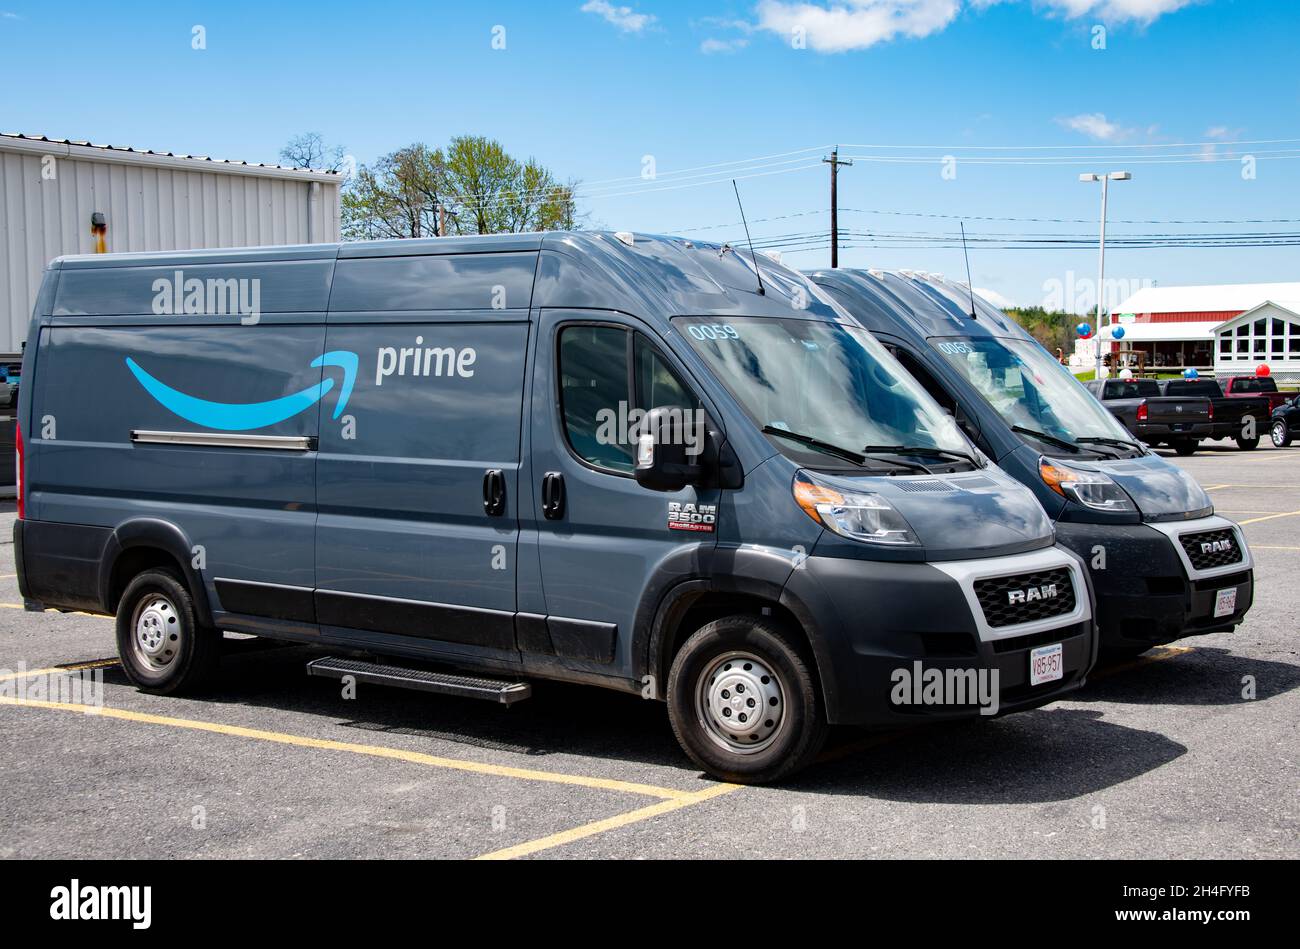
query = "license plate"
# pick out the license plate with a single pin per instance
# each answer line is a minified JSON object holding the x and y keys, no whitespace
{"x":1046,"y":664}
{"x":1225,"y":604}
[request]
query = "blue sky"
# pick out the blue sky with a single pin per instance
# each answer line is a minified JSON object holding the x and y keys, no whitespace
{"x":591,"y":88}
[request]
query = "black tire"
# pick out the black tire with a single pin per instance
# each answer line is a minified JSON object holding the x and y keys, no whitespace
{"x":1280,"y":433}
{"x":1248,"y":444}
{"x":163,"y":648}
{"x":753,"y":655}
{"x":1114,"y":654}
{"x":1185,"y":447}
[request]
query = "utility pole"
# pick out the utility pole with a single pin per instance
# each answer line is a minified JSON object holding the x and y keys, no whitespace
{"x":1101,"y":252}
{"x":834,"y":162}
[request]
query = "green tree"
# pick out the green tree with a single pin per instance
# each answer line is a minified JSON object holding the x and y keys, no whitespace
{"x":473,"y":187}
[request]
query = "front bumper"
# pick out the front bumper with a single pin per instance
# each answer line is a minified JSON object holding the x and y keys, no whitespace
{"x":872,"y":619}
{"x":1148,"y":591}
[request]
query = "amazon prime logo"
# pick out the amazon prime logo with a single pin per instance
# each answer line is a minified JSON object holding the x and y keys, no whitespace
{"x":181,"y":296}
{"x":1047,"y":591}
{"x":246,"y":416}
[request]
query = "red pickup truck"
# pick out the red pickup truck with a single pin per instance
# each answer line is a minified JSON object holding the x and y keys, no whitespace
{"x":1238,"y":387}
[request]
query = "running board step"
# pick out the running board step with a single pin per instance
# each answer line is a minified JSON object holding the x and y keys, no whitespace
{"x":421,"y":680}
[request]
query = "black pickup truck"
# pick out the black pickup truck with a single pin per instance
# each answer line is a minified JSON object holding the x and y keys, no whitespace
{"x":1153,"y":417}
{"x":1241,"y":418}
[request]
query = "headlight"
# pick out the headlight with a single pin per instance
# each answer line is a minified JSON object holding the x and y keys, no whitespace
{"x":860,"y":515}
{"x":1092,"y":489}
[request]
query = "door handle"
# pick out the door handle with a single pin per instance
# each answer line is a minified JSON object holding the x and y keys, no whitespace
{"x":494,"y":492}
{"x":553,"y":495}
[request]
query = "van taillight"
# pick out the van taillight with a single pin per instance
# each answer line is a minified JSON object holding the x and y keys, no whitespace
{"x":1211,"y":411}
{"x":1142,"y":412}
{"x":18,"y":467}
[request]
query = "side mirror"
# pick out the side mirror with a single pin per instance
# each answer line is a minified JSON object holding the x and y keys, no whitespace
{"x":669,"y":448}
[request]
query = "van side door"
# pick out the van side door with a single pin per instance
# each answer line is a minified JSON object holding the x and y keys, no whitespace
{"x":418,"y":478}
{"x":605,"y":545}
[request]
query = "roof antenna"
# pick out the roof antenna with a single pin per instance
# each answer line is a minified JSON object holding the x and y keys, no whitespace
{"x":970,"y":286}
{"x":761,"y":291}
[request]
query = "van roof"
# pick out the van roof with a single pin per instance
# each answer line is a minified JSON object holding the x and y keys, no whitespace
{"x":649,"y":275}
{"x":917,"y":304}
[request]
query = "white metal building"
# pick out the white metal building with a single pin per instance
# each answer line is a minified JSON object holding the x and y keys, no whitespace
{"x":1268,"y":334}
{"x":49,"y":191}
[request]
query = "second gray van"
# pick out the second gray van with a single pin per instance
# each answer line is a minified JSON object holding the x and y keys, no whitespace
{"x":463,"y":465}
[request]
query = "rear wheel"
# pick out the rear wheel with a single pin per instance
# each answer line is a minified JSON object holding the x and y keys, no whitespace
{"x":159,"y":640}
{"x":1248,"y":444}
{"x":1185,"y":446}
{"x":743,"y":701}
{"x":1280,"y":434}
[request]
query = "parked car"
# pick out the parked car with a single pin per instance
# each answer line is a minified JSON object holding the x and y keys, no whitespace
{"x":1163,"y":564}
{"x":1240,"y":418}
{"x":418,"y":452}
{"x":1284,"y":425}
{"x":1155,"y":418}
{"x":1238,"y":387}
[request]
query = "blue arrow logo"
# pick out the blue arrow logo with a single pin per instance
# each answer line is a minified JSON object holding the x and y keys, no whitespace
{"x":242,"y":418}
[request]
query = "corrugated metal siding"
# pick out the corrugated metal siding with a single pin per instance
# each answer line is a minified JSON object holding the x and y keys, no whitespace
{"x":148,"y":208}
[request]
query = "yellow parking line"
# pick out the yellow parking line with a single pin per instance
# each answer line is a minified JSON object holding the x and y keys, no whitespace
{"x":1267,"y":547}
{"x":1158,"y":654}
{"x":1270,"y":517}
{"x":375,"y":751}
{"x":19,"y":606}
{"x":609,"y":823}
{"x":54,"y":670}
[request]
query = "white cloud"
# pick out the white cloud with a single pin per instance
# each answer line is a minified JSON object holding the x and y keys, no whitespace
{"x":625,"y":18}
{"x":855,"y":24}
{"x":713,"y":45}
{"x":1095,"y":125}
{"x":1141,"y":11}
{"x":997,"y":299}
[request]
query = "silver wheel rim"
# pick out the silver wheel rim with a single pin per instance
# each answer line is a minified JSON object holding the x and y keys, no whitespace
{"x":1279,"y":433}
{"x":740,"y":703}
{"x":156,"y":632}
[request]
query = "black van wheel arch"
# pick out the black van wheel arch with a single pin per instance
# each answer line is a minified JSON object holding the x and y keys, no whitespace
{"x":163,"y":647}
{"x":742,"y":665}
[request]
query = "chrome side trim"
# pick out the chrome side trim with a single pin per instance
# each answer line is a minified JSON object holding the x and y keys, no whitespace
{"x":1174,"y":529}
{"x":219,"y":440}
{"x":966,"y":572}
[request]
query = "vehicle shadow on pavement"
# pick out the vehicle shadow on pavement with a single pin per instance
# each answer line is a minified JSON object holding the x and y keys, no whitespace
{"x":558,"y":719}
{"x":1205,"y":676}
{"x":1050,"y":754}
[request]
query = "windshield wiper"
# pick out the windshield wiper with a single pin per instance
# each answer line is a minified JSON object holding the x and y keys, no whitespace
{"x":1097,"y":440}
{"x":1049,"y":439}
{"x":923,"y":450}
{"x":846,"y":453}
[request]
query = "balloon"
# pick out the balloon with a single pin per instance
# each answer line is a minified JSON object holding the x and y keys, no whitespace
{"x":1084,"y":331}
{"x":1126,"y":373}
{"x":1263,"y":371}
{"x":1191,"y":374}
{"x":1117,"y":332}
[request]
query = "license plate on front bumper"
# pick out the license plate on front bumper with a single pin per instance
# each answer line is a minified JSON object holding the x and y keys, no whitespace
{"x":1225,"y":603}
{"x":1046,"y":664}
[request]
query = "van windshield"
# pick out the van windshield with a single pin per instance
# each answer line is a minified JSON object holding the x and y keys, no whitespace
{"x":1030,"y":390}
{"x":826,"y":383}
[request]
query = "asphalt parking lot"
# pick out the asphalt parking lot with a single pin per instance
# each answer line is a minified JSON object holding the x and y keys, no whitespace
{"x":1163,"y":756}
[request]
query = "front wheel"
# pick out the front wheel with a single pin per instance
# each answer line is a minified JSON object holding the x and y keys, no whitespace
{"x":1185,"y":447}
{"x":163,"y":648}
{"x":1280,"y":434}
{"x":743,"y":701}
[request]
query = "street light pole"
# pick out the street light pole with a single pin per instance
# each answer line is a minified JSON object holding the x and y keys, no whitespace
{"x":1101,"y":249}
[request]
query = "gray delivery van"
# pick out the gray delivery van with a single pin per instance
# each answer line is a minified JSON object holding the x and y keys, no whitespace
{"x":1163,"y":565}
{"x":461,"y":464}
